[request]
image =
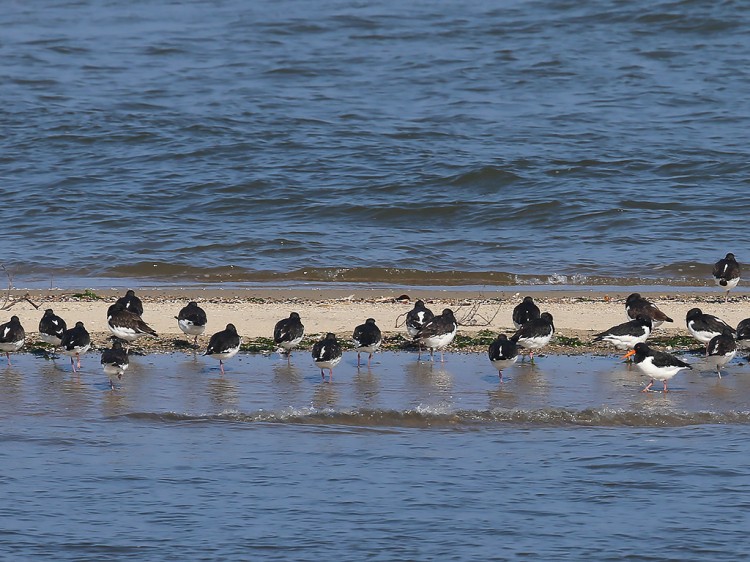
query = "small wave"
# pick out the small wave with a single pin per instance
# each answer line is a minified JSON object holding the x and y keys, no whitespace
{"x":426,"y":417}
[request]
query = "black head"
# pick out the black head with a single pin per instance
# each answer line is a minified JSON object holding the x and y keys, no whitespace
{"x":501,"y":338}
{"x":15,"y":319}
{"x":79,"y":324}
{"x":547,"y":317}
{"x":641,"y":349}
{"x":693,"y":313}
{"x":330,"y":336}
{"x":231,"y":329}
{"x":294,"y":315}
{"x":419,"y":304}
{"x":528,"y":300}
{"x":192,"y":304}
{"x":632,"y":298}
{"x":49,"y":312}
{"x":448,"y":313}
{"x":117,"y":344}
{"x":370,"y":321}
{"x":730,"y":257}
{"x":644,"y":320}
{"x":130,"y":293}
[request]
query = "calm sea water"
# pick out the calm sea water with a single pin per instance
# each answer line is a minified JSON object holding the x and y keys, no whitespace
{"x":406,"y":461}
{"x":420,"y":142}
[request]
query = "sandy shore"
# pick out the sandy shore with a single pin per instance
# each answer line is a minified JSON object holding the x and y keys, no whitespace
{"x":578,"y":315}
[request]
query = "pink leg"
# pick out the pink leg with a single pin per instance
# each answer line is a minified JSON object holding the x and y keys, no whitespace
{"x":322,"y":375}
{"x":330,"y":375}
{"x":221,"y":367}
{"x":500,"y":374}
{"x":73,"y":364}
{"x":665,"y":386}
{"x":79,"y":360}
{"x":648,"y":386}
{"x":358,"y":359}
{"x":369,"y":360}
{"x":8,"y":356}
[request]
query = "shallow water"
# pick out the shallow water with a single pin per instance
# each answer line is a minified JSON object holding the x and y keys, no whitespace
{"x":408,"y":460}
{"x":422,"y":143}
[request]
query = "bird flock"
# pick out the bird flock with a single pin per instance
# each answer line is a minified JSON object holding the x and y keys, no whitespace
{"x":534,"y":330}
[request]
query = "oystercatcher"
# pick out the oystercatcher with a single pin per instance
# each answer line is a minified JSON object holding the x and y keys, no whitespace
{"x":703,"y":327}
{"x":438,"y":333}
{"x":327,"y":354}
{"x":126,"y":325}
{"x":720,"y":351}
{"x":288,"y":333}
{"x":656,"y":364}
{"x":416,"y":318}
{"x":535,"y":334}
{"x":525,"y":312}
{"x":743,"y":334}
{"x":75,"y":342}
{"x":626,"y":335}
{"x":636,"y":305}
{"x":115,"y":362}
{"x":129,"y":302}
{"x":192,"y":321}
{"x":502,"y":353}
{"x":12,"y":336}
{"x":51,"y":328}
{"x":367,"y":338}
{"x":726,"y":273}
{"x":224,"y":345}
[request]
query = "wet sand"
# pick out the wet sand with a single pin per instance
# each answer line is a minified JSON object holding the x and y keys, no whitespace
{"x":578,"y":315}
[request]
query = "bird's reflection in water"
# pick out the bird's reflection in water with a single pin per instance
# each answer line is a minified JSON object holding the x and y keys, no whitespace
{"x":325,"y":396}
{"x":116,"y":402}
{"x":366,"y":387}
{"x":223,"y":393}
{"x":429,"y":379}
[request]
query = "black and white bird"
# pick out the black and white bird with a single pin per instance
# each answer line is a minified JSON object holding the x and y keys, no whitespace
{"x":628,"y":334}
{"x":502,"y":353}
{"x":12,"y":336}
{"x":535,"y":334}
{"x":720,"y":351}
{"x":192,"y":321}
{"x":416,"y":318}
{"x":438,"y":333}
{"x":129,"y":302}
{"x":126,"y":325}
{"x":524,"y":312}
{"x":326,"y":354}
{"x":288,"y":333}
{"x":743,"y":334}
{"x":367,"y":338}
{"x":115,"y":362}
{"x":51,"y":328}
{"x":656,"y":364}
{"x":75,"y":342}
{"x":726,"y":273}
{"x":704,"y":327}
{"x":636,"y":305}
{"x":224,"y":345}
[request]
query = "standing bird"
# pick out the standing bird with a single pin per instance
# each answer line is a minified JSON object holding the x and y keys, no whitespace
{"x":51,"y":328}
{"x":192,"y":321}
{"x":438,"y":333}
{"x":721,"y":350}
{"x":129,"y":302}
{"x":288,"y":332}
{"x":416,"y":318}
{"x":636,"y":305}
{"x":627,"y":335}
{"x":743,"y":334}
{"x":75,"y":342}
{"x":327,"y":354}
{"x":115,"y":362}
{"x":12,"y":336}
{"x":502,"y":353}
{"x":224,"y":345}
{"x":726,"y":272}
{"x":126,"y":325}
{"x":656,"y":364}
{"x":704,"y":327}
{"x":367,"y":338}
{"x":535,"y":334}
{"x":525,"y":312}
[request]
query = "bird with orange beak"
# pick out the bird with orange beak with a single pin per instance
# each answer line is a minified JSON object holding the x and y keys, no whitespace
{"x":656,"y":364}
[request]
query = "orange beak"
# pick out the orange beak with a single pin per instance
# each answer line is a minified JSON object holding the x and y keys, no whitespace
{"x":628,"y":354}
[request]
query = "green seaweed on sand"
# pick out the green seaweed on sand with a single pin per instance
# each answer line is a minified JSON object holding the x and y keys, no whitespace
{"x":569,"y":342}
